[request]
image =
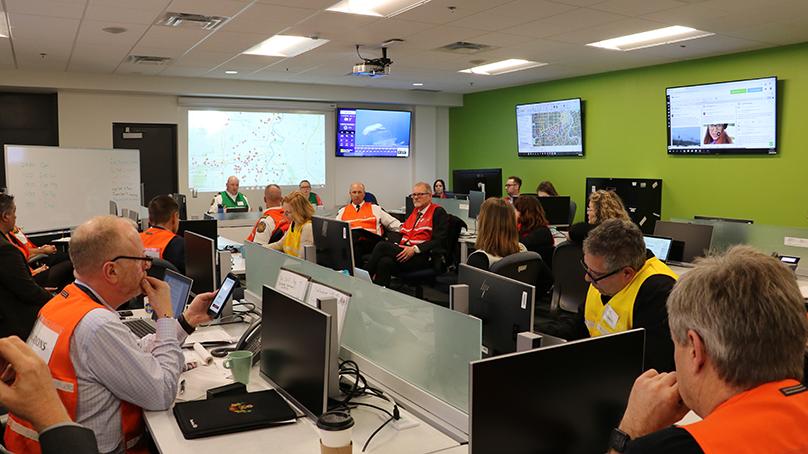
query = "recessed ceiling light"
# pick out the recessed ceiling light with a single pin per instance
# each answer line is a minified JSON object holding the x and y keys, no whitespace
{"x":651,"y":38}
{"x":417,"y":84}
{"x":380,"y":8}
{"x":231,"y":72}
{"x":502,"y":67}
{"x":285,"y":46}
{"x":114,"y":30}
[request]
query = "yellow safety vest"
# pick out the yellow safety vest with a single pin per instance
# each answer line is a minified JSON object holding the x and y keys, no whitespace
{"x":600,"y":318}
{"x":291,"y":243}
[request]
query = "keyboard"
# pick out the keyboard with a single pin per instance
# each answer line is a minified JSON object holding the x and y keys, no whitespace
{"x":140,"y":327}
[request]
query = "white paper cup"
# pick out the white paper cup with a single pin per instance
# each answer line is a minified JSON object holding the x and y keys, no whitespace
{"x":336,"y":429}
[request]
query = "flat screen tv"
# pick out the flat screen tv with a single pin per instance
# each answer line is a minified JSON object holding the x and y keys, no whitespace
{"x":738,"y":117}
{"x":373,"y":133}
{"x":552,"y":128}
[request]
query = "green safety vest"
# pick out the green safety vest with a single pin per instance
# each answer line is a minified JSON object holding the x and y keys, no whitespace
{"x":228,"y":202}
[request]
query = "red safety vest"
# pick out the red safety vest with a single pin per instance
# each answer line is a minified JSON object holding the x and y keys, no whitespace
{"x":19,"y":245}
{"x":770,"y":418}
{"x":155,"y":241}
{"x":61,"y":315}
{"x":362,"y":219}
{"x":276,"y":213}
{"x":414,"y":233}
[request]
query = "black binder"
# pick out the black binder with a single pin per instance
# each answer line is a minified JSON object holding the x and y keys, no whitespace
{"x":232,"y":413}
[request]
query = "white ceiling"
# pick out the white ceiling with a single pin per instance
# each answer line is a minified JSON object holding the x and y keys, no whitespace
{"x":66,"y":35}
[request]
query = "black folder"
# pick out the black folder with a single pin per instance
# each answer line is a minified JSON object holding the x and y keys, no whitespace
{"x":232,"y":413}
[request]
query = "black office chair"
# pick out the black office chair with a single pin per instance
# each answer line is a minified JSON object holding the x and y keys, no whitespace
{"x":440,"y":258}
{"x":527,"y":267}
{"x":370,"y":198}
{"x":573,"y":209}
{"x":570,"y":286}
{"x":159,"y":267}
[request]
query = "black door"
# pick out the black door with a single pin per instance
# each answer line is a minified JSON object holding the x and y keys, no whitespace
{"x":158,"y":155}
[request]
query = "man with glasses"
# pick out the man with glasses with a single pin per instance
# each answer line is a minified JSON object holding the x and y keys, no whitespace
{"x":628,"y":288}
{"x":424,"y":231}
{"x":513,"y":185}
{"x":106,"y":374}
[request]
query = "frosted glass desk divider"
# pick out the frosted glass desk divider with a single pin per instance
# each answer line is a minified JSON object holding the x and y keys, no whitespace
{"x":416,"y":349}
{"x":767,"y":238}
{"x":459,"y":208}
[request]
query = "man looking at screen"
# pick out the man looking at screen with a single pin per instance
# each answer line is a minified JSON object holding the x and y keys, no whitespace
{"x":739,"y":329}
{"x":160,"y":240}
{"x":272,"y":223}
{"x":366,"y":216}
{"x":512,"y":186}
{"x":106,"y":375}
{"x":230,"y":198}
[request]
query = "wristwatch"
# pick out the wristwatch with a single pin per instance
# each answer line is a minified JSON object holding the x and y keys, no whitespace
{"x":618,"y":440}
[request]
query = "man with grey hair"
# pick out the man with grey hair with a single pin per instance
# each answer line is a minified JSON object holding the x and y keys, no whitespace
{"x":106,"y":375}
{"x":273,"y":223}
{"x":230,"y":198}
{"x":628,"y":288}
{"x":423,"y":232}
{"x":366,"y":217}
{"x":739,"y":328}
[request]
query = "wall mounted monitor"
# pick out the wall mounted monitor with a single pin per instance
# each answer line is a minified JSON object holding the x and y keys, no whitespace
{"x":738,"y":117}
{"x":373,"y":133}
{"x":553,"y":128}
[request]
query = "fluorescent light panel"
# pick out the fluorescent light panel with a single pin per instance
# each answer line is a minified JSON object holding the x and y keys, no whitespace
{"x":380,"y":8}
{"x":285,"y":46}
{"x":502,"y":67}
{"x":651,"y":38}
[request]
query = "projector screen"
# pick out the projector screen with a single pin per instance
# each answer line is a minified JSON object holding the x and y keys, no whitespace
{"x":258,"y":147}
{"x":738,"y":117}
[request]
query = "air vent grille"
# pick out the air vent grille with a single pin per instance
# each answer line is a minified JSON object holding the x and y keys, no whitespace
{"x":148,"y":60}
{"x":189,"y":20}
{"x":466,"y":48}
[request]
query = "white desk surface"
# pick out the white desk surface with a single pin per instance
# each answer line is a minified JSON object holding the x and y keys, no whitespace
{"x":300,"y":437}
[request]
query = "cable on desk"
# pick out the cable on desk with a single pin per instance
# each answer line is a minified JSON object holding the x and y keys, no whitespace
{"x":375,"y":432}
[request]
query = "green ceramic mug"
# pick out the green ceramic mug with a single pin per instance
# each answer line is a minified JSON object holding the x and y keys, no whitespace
{"x":240,"y":363}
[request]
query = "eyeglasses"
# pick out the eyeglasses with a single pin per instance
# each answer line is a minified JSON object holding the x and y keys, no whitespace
{"x":305,"y":187}
{"x":419,"y":194}
{"x":146,"y":259}
{"x":594,"y":278}
{"x":507,"y":185}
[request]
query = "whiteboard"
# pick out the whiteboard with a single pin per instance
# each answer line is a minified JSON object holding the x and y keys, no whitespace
{"x":56,"y":187}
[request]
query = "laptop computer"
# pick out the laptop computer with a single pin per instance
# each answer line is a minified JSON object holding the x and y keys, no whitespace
{"x":180,"y":287}
{"x":660,"y":246}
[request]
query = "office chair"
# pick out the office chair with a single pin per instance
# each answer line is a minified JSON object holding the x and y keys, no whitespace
{"x":370,"y":198}
{"x":573,"y":209}
{"x":527,"y":267}
{"x":159,"y":267}
{"x":440,"y":258}
{"x":570,"y":287}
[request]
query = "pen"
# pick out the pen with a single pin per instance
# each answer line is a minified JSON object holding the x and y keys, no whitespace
{"x":182,"y":386}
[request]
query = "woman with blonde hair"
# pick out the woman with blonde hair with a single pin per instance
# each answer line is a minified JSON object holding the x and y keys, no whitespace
{"x":497,"y":236}
{"x":298,"y":210}
{"x":602,"y":206}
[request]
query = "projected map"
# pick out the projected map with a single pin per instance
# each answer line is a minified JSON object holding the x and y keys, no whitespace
{"x":257,"y":147}
{"x":550,"y":128}
{"x":556,"y":128}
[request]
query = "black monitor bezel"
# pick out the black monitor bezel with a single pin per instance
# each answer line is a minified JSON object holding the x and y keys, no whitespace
{"x":338,"y":111}
{"x":551,"y":154}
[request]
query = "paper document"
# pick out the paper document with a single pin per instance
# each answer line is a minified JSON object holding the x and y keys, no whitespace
{"x":320,"y":291}
{"x":209,"y":335}
{"x":292,"y":284}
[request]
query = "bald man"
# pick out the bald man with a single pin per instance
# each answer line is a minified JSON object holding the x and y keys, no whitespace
{"x":368,"y":217}
{"x":230,"y":198}
{"x":105,"y":374}
{"x":272,"y":223}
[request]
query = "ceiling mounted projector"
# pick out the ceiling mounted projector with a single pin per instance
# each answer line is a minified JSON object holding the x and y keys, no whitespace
{"x":372,"y":67}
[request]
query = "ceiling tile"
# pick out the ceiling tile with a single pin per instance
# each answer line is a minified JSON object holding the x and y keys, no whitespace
{"x":201,"y":59}
{"x":141,"y":69}
{"x":172,"y":37}
{"x":123,"y":13}
{"x":226,"y":8}
{"x":577,"y":19}
{"x":441,"y":36}
{"x":310,"y":4}
{"x":52,"y":8}
{"x":184,"y":71}
{"x":439,"y":12}
{"x":231,"y":42}
{"x":331,"y":25}
{"x":26,"y":32}
{"x":698,"y":16}
{"x":500,"y":39}
{"x":581,"y":2}
{"x":530,"y":9}
{"x":607,"y":31}
{"x":247,"y":63}
{"x":268,"y":19}
{"x":6,"y":57}
{"x":636,"y":7}
{"x":775,"y":33}
{"x":90,"y":32}
{"x":157,"y":52}
{"x":490,"y":22}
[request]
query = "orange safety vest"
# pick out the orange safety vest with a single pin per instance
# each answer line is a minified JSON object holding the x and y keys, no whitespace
{"x":19,"y":245}
{"x":769,"y":418}
{"x":362,"y":219}
{"x":155,"y":241}
{"x":60,"y":316}
{"x":276,"y":213}
{"x":414,"y":233}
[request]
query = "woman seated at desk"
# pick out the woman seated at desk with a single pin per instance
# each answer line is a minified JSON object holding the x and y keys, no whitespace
{"x":497,"y":236}
{"x":534,"y":230}
{"x":602,"y":206}
{"x":299,"y":212}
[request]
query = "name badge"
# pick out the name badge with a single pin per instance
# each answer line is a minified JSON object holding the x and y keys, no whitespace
{"x":152,"y":252}
{"x":240,"y":202}
{"x":610,"y":317}
{"x":43,"y":340}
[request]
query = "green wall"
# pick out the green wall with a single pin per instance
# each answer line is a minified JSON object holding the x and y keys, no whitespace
{"x":625,"y":136}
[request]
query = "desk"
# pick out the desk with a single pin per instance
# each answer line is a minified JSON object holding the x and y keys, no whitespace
{"x":300,"y":437}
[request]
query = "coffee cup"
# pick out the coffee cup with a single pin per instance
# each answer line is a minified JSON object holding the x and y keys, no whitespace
{"x":240,"y":363}
{"x":336,"y":429}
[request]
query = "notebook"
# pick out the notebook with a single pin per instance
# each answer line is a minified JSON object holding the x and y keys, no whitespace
{"x":234,"y":413}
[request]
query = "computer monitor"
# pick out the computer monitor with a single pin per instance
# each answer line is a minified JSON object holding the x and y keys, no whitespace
{"x":464,"y":181}
{"x":295,"y":350}
{"x":476,"y":199}
{"x":113,"y":208}
{"x":237,"y":209}
{"x":715,"y":218}
{"x":504,"y":305}
{"x":180,"y":199}
{"x":180,"y":287}
{"x":696,"y":237}
{"x":200,"y":262}
{"x":565,"y":398}
{"x":334,"y":244}
{"x":660,"y":246}
{"x":556,"y":209}
{"x":205,"y":227}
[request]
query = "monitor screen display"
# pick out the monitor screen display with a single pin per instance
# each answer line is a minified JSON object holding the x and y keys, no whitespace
{"x":373,"y":133}
{"x":737,"y":117}
{"x":659,"y":246}
{"x":553,"y":128}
